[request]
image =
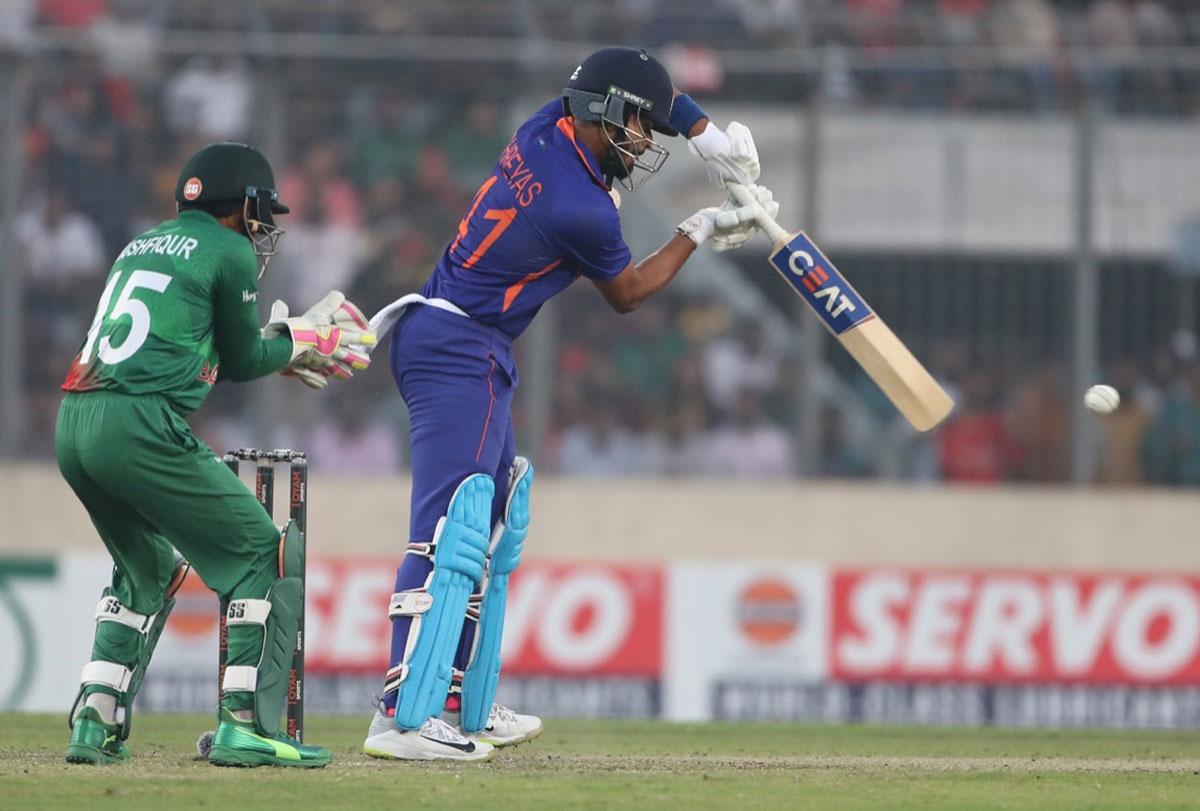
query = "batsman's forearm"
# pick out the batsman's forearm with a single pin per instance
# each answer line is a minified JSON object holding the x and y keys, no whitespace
{"x":658,"y":269}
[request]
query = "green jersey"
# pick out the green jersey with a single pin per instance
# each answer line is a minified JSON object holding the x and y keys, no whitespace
{"x":179,"y":308}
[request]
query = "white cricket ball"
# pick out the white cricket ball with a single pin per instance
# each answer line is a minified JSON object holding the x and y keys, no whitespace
{"x":1102,"y":399}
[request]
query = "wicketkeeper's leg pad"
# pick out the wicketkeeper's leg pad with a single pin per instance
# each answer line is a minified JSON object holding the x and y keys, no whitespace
{"x":437,"y":609}
{"x":291,"y":551}
{"x":278,"y":617}
{"x":482,"y":674}
{"x":125,"y":628}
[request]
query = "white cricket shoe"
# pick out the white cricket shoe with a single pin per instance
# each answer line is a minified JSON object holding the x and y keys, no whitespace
{"x":505,"y":727}
{"x":435,"y":740}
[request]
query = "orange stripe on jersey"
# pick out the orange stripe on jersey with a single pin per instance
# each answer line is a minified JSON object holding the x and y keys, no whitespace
{"x":567,"y":126}
{"x":510,"y":295}
{"x":462,"y":226}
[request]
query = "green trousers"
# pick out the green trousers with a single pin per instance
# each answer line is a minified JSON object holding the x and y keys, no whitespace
{"x":148,"y":485}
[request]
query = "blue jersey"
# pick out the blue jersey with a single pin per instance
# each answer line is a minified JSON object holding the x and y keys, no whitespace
{"x":543,"y":218}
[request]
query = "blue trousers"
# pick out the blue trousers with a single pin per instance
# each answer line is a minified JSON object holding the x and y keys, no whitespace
{"x":457,"y":378}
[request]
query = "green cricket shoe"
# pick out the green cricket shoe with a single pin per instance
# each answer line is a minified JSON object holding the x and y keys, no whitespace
{"x":238,"y":743}
{"x":93,"y":741}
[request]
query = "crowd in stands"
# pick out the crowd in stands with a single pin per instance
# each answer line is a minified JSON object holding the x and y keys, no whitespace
{"x":378,"y":169}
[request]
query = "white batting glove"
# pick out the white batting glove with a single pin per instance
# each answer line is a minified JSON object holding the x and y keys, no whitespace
{"x":730,"y":225}
{"x":736,"y":225}
{"x":730,"y":155}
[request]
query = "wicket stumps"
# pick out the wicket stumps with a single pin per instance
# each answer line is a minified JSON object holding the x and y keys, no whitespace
{"x":264,"y":490}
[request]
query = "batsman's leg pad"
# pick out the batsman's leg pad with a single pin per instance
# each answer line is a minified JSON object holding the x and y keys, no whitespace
{"x":279,"y":617}
{"x":118,"y":679}
{"x":482,"y":674}
{"x":460,"y":545}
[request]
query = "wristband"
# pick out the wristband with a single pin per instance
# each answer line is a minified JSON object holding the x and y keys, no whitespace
{"x":685,"y":113}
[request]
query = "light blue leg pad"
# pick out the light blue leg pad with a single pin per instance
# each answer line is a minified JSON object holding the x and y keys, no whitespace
{"x":483,"y":671}
{"x":438,"y":610}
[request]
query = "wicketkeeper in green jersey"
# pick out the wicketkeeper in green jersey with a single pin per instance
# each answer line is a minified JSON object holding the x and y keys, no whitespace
{"x":179,"y":312}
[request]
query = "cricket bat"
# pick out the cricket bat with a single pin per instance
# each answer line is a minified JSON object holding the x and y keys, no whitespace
{"x":908,"y":384}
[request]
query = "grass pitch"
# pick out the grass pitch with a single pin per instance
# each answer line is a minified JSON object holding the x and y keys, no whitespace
{"x":621,"y":764}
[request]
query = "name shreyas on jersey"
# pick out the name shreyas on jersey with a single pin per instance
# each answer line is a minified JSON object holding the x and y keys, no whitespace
{"x":165,"y":245}
{"x":816,"y":279}
{"x":518,"y":176}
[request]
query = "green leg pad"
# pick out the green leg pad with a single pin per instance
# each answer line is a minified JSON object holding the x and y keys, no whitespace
{"x":279,"y":647}
{"x":139,"y":671}
{"x":291,"y":554}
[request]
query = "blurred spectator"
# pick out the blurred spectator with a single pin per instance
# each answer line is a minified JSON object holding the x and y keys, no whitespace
{"x":347,"y":440}
{"x":1028,"y":35}
{"x":318,"y":253}
{"x":474,"y":143}
{"x":974,"y":445}
{"x":324,"y":244}
{"x":1121,"y":432}
{"x":60,"y":243}
{"x":441,"y":202}
{"x":320,"y":182}
{"x":397,"y":254}
{"x":87,"y":152}
{"x":1171,"y":446}
{"x":65,"y":261}
{"x":775,"y":22}
{"x":1110,"y":32}
{"x":747,"y":446}
{"x":600,"y":445}
{"x":690,"y":451}
{"x":391,"y":143}
{"x":742,"y":361}
{"x":1155,"y":88}
{"x":16,"y":22}
{"x":210,"y":99}
{"x":1039,"y":423}
{"x":874,"y":23}
{"x":72,"y":13}
{"x":647,"y":346}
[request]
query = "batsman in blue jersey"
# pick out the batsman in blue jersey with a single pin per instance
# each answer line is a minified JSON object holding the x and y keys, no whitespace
{"x":545,"y":216}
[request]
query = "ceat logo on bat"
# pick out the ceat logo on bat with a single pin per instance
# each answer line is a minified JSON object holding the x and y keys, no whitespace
{"x":768,"y":612}
{"x":820,"y":284}
{"x":1016,"y":627}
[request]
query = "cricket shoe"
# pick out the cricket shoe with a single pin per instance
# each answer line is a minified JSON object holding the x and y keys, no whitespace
{"x":504,"y":727}
{"x":435,"y":740}
{"x":239,"y":743}
{"x":93,"y":741}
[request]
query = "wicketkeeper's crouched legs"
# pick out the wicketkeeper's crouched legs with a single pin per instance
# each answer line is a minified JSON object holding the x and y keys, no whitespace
{"x":262,"y":644}
{"x":151,"y":487}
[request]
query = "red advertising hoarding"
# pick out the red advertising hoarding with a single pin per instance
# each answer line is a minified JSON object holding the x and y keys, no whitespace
{"x":922,"y":625}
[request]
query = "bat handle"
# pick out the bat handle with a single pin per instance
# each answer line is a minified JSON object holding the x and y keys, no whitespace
{"x":768,"y":225}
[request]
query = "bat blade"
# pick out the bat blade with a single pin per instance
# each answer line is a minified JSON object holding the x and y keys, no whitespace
{"x":908,"y":384}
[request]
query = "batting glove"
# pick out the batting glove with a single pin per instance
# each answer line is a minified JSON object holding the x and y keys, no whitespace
{"x":730,"y":225}
{"x":730,"y":155}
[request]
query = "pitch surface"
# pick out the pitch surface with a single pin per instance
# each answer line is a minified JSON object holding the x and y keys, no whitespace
{"x":616,"y":764}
